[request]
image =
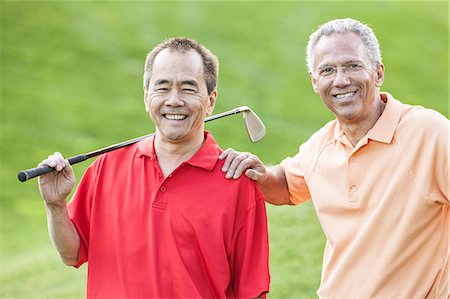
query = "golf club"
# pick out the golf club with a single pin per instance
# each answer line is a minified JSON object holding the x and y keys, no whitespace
{"x":255,"y":130}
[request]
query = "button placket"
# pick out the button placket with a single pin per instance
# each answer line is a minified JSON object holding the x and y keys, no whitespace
{"x":161,"y":196}
{"x":352,"y":182}
{"x":160,"y":201}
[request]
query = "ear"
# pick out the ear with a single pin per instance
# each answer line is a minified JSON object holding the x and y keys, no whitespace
{"x":379,"y":79}
{"x":211,"y":102}
{"x":146,"y":100}
{"x":314,"y":82}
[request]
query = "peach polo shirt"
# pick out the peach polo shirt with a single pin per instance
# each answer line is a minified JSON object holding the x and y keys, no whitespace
{"x":383,"y":204}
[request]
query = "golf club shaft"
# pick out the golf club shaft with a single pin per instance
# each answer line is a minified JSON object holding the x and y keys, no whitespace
{"x":25,"y":175}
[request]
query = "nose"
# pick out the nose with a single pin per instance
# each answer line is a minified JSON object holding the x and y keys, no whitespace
{"x":341,"y":79}
{"x":173,"y":99}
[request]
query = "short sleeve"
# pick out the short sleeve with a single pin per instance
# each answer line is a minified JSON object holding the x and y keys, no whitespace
{"x":295,"y":178}
{"x":425,"y":145}
{"x":79,"y":209}
{"x":250,"y":262}
{"x":436,"y":132}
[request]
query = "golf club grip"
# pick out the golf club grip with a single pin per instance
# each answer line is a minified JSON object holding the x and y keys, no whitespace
{"x":25,"y":175}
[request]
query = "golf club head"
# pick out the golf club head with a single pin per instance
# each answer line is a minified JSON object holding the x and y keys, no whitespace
{"x":255,"y":127}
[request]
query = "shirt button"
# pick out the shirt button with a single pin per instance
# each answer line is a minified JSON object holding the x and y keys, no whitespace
{"x":163,"y":189}
{"x":353,"y":188}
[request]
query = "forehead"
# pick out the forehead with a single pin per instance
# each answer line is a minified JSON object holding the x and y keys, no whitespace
{"x":339,"y":48}
{"x":170,"y":63}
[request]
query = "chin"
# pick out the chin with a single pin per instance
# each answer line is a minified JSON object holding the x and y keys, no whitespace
{"x":175,"y":137}
{"x":172,"y":135}
{"x":348,"y":115}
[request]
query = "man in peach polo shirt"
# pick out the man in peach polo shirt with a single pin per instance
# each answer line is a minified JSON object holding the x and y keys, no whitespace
{"x":377,"y":176}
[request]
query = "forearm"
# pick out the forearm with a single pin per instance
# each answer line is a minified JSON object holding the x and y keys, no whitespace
{"x":275,"y":187}
{"x":64,"y":236}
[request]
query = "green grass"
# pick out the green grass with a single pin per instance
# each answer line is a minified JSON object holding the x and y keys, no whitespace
{"x":71,"y":81}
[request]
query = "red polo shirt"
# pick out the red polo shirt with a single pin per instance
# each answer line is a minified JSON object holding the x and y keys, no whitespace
{"x":193,"y":234}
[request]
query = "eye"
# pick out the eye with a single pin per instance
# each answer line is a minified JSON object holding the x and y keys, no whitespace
{"x":189,"y":90}
{"x":326,"y":71}
{"x":161,"y":89}
{"x":354,"y":66}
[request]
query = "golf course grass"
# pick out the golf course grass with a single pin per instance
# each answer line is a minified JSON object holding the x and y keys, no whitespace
{"x":71,"y":81}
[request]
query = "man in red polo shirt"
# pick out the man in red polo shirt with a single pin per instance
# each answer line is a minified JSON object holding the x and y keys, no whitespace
{"x":158,"y":219}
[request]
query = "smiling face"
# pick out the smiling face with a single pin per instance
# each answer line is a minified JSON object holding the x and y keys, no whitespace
{"x":345,"y":78}
{"x":177,"y":98}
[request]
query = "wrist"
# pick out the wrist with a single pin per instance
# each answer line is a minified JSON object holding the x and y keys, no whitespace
{"x":56,"y":205}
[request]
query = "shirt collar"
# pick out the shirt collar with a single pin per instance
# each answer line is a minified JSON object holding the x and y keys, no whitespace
{"x":384,"y":128}
{"x":339,"y":133}
{"x":206,"y":157}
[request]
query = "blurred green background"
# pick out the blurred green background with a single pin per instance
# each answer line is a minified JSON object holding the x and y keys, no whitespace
{"x":71,"y":81}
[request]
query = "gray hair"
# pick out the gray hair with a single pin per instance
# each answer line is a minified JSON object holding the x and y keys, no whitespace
{"x":344,"y":26}
{"x":184,"y":45}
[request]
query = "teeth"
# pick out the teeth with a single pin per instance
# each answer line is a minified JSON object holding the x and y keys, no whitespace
{"x":345,"y":95}
{"x":175,"y":116}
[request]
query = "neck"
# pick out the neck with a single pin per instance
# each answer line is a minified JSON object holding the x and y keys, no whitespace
{"x":356,"y":130}
{"x":171,"y":153}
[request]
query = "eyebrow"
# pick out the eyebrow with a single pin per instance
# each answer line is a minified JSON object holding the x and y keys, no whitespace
{"x":190,"y":82}
{"x":321,"y":67}
{"x":161,"y":81}
{"x":324,"y":66}
{"x":354,"y":61}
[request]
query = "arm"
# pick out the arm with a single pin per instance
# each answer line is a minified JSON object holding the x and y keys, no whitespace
{"x":272,"y":180}
{"x":274,"y":186}
{"x":249,"y":261}
{"x":54,"y":188}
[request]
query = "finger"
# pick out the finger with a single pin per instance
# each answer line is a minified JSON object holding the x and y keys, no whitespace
{"x":50,"y":161}
{"x":254,"y":175}
{"x":225,"y":153}
{"x":59,"y":156}
{"x":45,"y":162}
{"x":67,"y":163}
{"x":68,"y":171}
{"x":230,"y":157}
{"x":55,"y":161}
{"x":235,"y":164}
{"x":59,"y":160}
{"x":245,"y":164}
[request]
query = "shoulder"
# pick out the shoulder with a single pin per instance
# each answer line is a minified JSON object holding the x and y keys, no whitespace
{"x":422,"y":134}
{"x":321,"y":137}
{"x":242,"y":181}
{"x":114,"y":158}
{"x":317,"y":142}
{"x":310,"y":150}
{"x":243,"y":188}
{"x":419,"y":122}
{"x":129,"y":151}
{"x":423,"y":116}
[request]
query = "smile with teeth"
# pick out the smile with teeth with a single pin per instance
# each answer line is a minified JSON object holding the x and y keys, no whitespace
{"x":175,"y":116}
{"x":345,"y":95}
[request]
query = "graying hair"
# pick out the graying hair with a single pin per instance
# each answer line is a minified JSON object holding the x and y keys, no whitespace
{"x":343,"y":26}
{"x":184,"y":45}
